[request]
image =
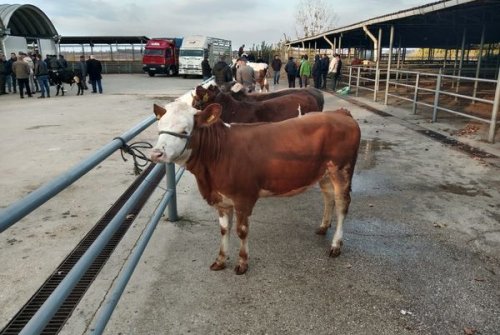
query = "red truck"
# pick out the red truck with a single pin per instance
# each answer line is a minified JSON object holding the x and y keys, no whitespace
{"x":161,"y":55}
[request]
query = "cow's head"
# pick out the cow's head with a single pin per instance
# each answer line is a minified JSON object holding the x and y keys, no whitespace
{"x":204,"y":96}
{"x":177,"y":123}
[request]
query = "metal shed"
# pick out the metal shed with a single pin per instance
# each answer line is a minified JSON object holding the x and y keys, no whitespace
{"x":26,"y":28}
{"x":460,"y":57}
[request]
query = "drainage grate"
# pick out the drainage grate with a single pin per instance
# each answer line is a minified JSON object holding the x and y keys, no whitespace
{"x":31,"y":307}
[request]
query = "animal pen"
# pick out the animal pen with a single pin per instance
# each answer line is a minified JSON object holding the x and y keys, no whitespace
{"x":442,"y":58}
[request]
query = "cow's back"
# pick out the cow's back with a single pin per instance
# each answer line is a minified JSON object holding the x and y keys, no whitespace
{"x":283,"y":157}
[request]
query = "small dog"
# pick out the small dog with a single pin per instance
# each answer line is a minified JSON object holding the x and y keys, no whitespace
{"x":79,"y":83}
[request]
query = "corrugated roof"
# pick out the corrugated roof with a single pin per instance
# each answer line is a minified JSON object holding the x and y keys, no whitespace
{"x":435,"y":25}
{"x":26,"y":20}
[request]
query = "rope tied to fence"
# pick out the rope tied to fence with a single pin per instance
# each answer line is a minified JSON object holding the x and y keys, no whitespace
{"x":134,"y":150}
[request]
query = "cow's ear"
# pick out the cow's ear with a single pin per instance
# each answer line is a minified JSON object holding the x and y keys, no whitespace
{"x":159,"y":111}
{"x":209,"y":115}
{"x":199,"y":90}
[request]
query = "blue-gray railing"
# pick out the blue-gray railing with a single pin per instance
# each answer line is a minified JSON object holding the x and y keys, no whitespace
{"x":23,"y":207}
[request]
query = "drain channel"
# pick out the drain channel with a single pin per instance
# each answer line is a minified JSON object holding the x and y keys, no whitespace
{"x":56,"y":323}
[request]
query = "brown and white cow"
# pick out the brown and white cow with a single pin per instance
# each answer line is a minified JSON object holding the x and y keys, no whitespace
{"x":236,"y":164}
{"x":275,"y":109}
{"x":204,"y":94}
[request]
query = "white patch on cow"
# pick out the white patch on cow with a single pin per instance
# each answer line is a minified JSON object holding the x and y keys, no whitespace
{"x":300,"y":112}
{"x":177,"y":119}
{"x":227,"y":125}
{"x":226,"y":202}
{"x":265,"y":193}
{"x":258,"y":66}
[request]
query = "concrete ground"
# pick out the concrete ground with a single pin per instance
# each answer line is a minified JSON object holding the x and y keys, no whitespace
{"x":421,"y":248}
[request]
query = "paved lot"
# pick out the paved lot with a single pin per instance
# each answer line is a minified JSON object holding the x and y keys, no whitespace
{"x":421,"y":250}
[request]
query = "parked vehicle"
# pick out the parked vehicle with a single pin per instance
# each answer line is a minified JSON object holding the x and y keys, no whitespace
{"x":194,"y":48}
{"x":161,"y":55}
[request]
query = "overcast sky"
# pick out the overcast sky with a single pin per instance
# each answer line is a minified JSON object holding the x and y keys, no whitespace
{"x":242,"y":22}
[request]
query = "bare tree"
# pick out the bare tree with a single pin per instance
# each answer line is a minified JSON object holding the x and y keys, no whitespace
{"x":313,"y":17}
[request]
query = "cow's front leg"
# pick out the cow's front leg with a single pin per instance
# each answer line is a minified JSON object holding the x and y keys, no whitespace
{"x":225,"y":222}
{"x":242,"y":231}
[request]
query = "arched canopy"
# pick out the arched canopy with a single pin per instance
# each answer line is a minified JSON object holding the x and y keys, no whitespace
{"x":25,"y":20}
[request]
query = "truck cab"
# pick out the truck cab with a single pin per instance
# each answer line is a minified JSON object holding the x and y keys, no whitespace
{"x":195,"y":48}
{"x":161,"y":56}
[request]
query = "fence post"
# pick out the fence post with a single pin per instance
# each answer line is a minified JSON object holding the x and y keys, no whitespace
{"x":436,"y":96}
{"x":415,"y":94}
{"x":494,"y":114}
{"x":357,"y":80}
{"x":172,"y":206}
{"x":350,"y":76}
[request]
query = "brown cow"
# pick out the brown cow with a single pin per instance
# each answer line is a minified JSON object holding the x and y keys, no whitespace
{"x":209,"y":92}
{"x":236,"y":164}
{"x":271,"y":110}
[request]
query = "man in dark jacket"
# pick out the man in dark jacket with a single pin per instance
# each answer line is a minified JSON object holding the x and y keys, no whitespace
{"x":316,"y":72}
{"x":222,"y":73}
{"x":325,"y":62}
{"x":3,"y":62}
{"x":94,"y":69}
{"x":42,"y":75}
{"x":291,"y":72}
{"x":276,"y":66}
{"x":10,"y":77}
{"x":206,"y":71}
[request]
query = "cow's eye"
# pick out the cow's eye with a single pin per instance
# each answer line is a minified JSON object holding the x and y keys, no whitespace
{"x":184,"y":132}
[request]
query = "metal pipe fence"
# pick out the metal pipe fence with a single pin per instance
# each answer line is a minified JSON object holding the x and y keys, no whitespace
{"x":23,"y":207}
{"x":432,"y":90}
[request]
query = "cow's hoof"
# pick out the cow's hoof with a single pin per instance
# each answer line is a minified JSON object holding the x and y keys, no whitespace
{"x":321,"y":231}
{"x":335,"y":252}
{"x":240,"y":269}
{"x":217,"y":266}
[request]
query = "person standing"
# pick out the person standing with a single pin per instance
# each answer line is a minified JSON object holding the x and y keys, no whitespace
{"x":206,"y":71}
{"x":31,"y":79}
{"x":22,"y":72}
{"x":335,"y":68}
{"x":10,"y":77}
{"x":305,"y":71}
{"x":62,"y":63}
{"x":42,"y":75}
{"x":324,"y":70}
{"x":82,"y":66}
{"x":245,"y":75}
{"x":316,"y":72}
{"x":291,"y":72}
{"x":94,"y":69}
{"x":276,"y":66}
{"x":240,"y":50}
{"x":222,"y":73}
{"x":3,"y":72}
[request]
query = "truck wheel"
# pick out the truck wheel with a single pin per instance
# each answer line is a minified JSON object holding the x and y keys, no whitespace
{"x":151,"y":74}
{"x":170,"y":72}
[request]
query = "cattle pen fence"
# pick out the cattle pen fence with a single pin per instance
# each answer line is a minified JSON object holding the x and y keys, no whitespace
{"x":42,"y":317}
{"x":441,"y":91}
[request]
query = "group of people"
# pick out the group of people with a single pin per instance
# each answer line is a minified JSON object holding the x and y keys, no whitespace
{"x":224,"y":75}
{"x":29,"y":73}
{"x":303,"y":70}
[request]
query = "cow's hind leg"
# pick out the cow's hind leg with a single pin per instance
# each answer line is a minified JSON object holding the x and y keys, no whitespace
{"x":225,"y":222}
{"x":341,"y":179}
{"x":328,"y":202}
{"x":242,"y":231}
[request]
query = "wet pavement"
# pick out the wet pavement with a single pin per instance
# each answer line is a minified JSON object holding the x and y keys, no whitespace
{"x":421,"y":250}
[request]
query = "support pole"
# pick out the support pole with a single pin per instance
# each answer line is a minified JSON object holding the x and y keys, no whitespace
{"x":377,"y":69}
{"x":494,"y":114}
{"x":478,"y":68}
{"x":391,"y":41}
{"x":460,"y":65}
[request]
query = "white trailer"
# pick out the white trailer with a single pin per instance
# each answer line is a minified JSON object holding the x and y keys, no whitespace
{"x":195,"y":47}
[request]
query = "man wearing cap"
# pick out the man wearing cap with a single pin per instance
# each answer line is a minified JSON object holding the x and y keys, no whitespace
{"x":22,"y":71}
{"x":245,"y":75}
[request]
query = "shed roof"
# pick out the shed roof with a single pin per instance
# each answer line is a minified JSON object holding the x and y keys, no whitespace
{"x":435,"y":25}
{"x":26,"y":20}
{"x":103,"y":39}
